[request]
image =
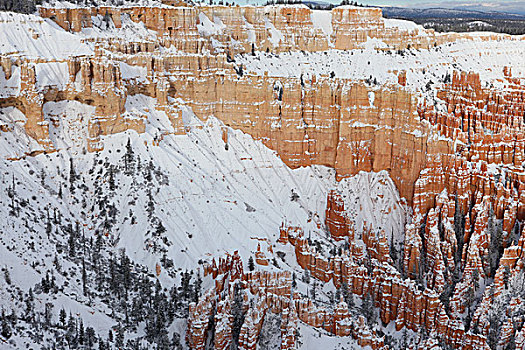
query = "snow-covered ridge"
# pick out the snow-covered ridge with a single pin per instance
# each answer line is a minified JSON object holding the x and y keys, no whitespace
{"x":421,"y":66}
{"x":35,"y":37}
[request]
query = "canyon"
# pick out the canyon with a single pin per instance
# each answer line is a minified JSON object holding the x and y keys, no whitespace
{"x":436,"y":249}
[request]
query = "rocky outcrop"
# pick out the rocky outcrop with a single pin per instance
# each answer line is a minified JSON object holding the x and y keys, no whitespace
{"x":336,"y":220}
{"x":398,"y":300}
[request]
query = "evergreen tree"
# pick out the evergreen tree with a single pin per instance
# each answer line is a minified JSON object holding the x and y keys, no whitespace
{"x":62,"y":317}
{"x":5,"y":330}
{"x":475,"y":279}
{"x":119,"y":339}
{"x":306,"y":276}
{"x":90,"y":337}
{"x":72,"y":173}
{"x":313,"y":293}
{"x":367,"y":308}
{"x":29,"y":304}
{"x":150,"y":208}
{"x":7,"y":276}
{"x":160,"y":229}
{"x":237,"y":313}
{"x":84,"y":277}
{"x":72,"y":243}
{"x":11,"y":193}
{"x":111,"y":180}
{"x":495,"y":248}
{"x":506,"y":276}
{"x":80,"y":331}
{"x":197,"y":288}
{"x":251,"y":265}
{"x":129,"y":158}
{"x":393,"y":250}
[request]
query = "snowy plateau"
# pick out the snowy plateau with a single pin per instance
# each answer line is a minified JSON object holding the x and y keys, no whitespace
{"x":179,"y":176}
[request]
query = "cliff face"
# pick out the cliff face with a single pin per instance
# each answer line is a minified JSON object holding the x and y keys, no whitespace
{"x":342,"y":124}
{"x":274,"y":28}
{"x":454,"y":148}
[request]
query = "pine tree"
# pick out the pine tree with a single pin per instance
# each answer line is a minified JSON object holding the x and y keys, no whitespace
{"x":48,"y":314}
{"x":81,"y":331}
{"x":11,"y":193}
{"x":393,"y":250}
{"x":197,"y":288}
{"x":237,"y":313}
{"x":5,"y":326}
{"x":29,"y":304}
{"x":150,"y":208}
{"x":350,"y":301}
{"x":62,"y":317}
{"x":84,"y":277}
{"x":148,"y":171}
{"x":7,"y":276}
{"x":160,"y":229}
{"x":367,"y":307}
{"x":495,"y":248}
{"x":125,"y":272}
{"x":175,"y":341}
{"x":72,"y":243}
{"x":506,"y":276}
{"x":470,"y":297}
{"x":90,"y":337}
{"x":306,"y":276}
{"x":111,"y":180}
{"x":119,"y":339}
{"x":313,"y":293}
{"x":72,"y":173}
{"x":251,"y":265}
{"x":129,"y":159}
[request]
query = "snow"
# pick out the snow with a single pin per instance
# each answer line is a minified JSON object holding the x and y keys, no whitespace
{"x":275,"y":35}
{"x":401,"y":24}
{"x":129,"y":30}
{"x":422,"y":66}
{"x":480,"y":24}
{"x":204,"y":207}
{"x":251,"y":31}
{"x":133,"y":72}
{"x":323,"y":20}
{"x":33,"y":36}
{"x":10,"y":87}
{"x":68,"y":124}
{"x":72,"y":4}
{"x":371,"y":98}
{"x":372,"y":198}
{"x":207,"y":27}
{"x":139,"y":106}
{"x":349,"y":7}
{"x":314,"y":339}
{"x":15,"y":143}
{"x":52,"y":74}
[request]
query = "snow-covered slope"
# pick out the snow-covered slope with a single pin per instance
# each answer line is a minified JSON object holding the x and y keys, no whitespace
{"x":35,"y":37}
{"x":210,"y":199}
{"x":488,"y":58}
